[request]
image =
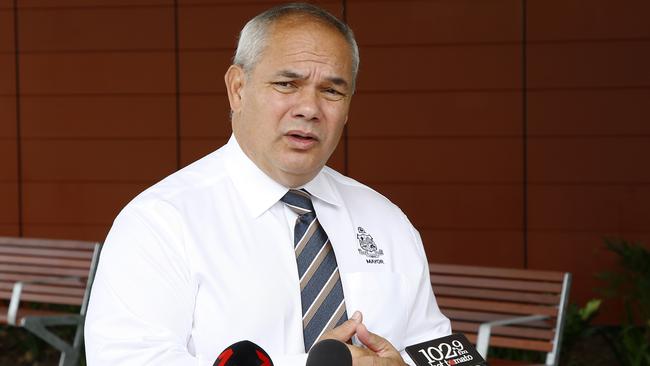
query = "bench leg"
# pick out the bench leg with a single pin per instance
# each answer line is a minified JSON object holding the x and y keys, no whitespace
{"x":69,"y":352}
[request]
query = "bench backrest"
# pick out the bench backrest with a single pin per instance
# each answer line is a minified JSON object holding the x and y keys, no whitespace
{"x":471,"y":295}
{"x":60,"y":269}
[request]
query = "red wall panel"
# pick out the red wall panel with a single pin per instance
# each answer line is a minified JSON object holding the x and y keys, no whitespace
{"x":435,"y":114}
{"x":594,"y":19}
{"x":589,"y":136}
{"x":602,"y":112}
{"x":98,"y":109}
{"x":9,"y":201}
{"x":494,"y":248}
{"x":453,"y":160}
{"x":95,"y":204}
{"x":99,"y":116}
{"x":102,"y":160}
{"x":93,"y":28}
{"x":97,"y":73}
{"x":437,"y":119}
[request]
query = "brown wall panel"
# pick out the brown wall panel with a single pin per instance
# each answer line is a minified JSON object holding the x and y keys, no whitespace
{"x":337,"y":160}
{"x":93,"y":160}
{"x":9,"y":230}
{"x":203,"y":71}
{"x":51,"y":203}
{"x":594,"y":19}
{"x":482,"y":67}
{"x":457,"y":206}
{"x":458,"y":21}
{"x":583,"y":254}
{"x":76,"y":231}
{"x":123,"y":28}
{"x":193,"y":149}
{"x":90,"y":3}
{"x":9,"y":203}
{"x":7,"y":74}
{"x":8,"y":161}
{"x":593,"y":208}
{"x":589,"y":112}
{"x":114,"y":116}
{"x":208,"y":37}
{"x":216,"y":24}
{"x":6,"y":29}
{"x":205,"y":115}
{"x":597,"y":159}
{"x":495,"y":248}
{"x":589,"y":64}
{"x":413,"y":114}
{"x":7,"y":117}
{"x":436,"y":160}
{"x":87,"y":73}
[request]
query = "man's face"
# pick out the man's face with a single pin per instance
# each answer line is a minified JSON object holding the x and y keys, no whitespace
{"x":289,"y":112}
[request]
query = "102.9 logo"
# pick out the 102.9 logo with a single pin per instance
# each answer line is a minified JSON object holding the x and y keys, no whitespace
{"x":443,"y":351}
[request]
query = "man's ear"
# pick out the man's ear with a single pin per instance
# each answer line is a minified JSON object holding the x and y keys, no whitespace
{"x":235,"y":79}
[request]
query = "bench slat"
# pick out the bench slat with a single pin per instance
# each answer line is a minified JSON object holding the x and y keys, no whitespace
{"x":537,"y":298}
{"x":484,"y":317}
{"x":50,"y":299}
{"x":499,"y":341}
{"x":499,"y":307}
{"x":72,"y":281}
{"x":77,"y":290}
{"x":39,"y":252}
{"x":74,"y":272}
{"x":44,"y":261}
{"x":526,"y":286}
{"x":47,"y":243}
{"x":521,"y":332}
{"x":496,"y":272}
{"x":28,"y":312}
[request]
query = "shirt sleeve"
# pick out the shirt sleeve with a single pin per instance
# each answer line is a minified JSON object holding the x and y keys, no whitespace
{"x":142,"y":300}
{"x":425,"y":321}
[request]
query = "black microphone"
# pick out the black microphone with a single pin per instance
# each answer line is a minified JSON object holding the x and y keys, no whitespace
{"x":450,"y":350}
{"x":329,"y":352}
{"x":243,"y":353}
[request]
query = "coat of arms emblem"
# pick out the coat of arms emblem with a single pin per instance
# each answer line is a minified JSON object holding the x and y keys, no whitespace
{"x":367,"y":244}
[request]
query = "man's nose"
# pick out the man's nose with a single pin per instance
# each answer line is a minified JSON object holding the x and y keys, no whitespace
{"x":307,"y":106}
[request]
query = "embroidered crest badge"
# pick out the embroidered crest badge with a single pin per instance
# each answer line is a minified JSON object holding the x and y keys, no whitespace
{"x":367,"y":244}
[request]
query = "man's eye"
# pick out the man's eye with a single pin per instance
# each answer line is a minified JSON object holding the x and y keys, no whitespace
{"x":333,"y":93}
{"x":283,"y":84}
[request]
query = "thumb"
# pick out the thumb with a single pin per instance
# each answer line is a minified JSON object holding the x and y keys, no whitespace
{"x":374,"y":342}
{"x":346,"y":330}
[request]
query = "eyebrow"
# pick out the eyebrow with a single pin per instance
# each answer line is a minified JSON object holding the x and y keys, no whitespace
{"x":294,"y":75}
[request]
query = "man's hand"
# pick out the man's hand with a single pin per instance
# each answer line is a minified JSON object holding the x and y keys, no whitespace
{"x":378,"y":351}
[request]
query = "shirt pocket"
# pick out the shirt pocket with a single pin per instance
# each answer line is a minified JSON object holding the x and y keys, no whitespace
{"x":380,"y":296}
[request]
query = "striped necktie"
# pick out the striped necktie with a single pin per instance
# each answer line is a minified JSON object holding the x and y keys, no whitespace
{"x":321,"y":292}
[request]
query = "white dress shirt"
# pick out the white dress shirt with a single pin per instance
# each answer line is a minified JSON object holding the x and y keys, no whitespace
{"x":205,"y":258}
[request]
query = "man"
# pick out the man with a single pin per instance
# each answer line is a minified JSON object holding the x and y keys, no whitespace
{"x":215,"y":253}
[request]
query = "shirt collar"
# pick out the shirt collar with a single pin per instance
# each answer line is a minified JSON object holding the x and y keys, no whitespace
{"x":259,"y":191}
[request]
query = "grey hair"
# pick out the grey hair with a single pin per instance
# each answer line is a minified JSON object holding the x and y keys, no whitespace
{"x":252,"y":38}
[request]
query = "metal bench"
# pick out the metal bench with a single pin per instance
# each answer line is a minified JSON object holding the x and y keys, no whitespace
{"x":47,"y":271}
{"x":510,"y":308}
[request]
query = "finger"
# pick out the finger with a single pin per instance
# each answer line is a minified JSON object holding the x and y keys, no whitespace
{"x":371,"y":340}
{"x":359,"y":352}
{"x":375,"y":342}
{"x":346,"y":330}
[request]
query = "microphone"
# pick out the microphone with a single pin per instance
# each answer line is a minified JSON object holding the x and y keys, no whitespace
{"x":243,"y":353}
{"x":450,"y":350}
{"x":329,"y":352}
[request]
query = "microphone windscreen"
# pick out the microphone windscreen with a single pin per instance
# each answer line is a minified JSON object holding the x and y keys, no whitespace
{"x":243,"y":353}
{"x":329,"y":352}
